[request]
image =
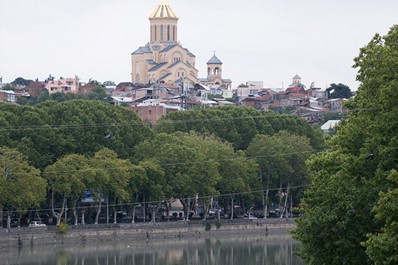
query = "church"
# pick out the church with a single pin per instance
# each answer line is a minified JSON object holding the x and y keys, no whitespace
{"x":164,"y":60}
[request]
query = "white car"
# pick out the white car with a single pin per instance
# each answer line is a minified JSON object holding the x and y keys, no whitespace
{"x":36,"y":224}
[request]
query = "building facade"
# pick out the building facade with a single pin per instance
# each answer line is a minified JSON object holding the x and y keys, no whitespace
{"x":163,"y":58}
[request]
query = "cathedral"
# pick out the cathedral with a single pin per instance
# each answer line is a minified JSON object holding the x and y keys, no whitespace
{"x":164,"y":59}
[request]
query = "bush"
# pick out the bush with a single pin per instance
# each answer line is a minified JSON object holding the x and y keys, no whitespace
{"x":218,"y":224}
{"x":62,"y":228}
{"x":208,"y":226}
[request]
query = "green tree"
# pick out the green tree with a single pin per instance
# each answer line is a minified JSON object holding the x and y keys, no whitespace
{"x":339,"y":91}
{"x":21,"y":81}
{"x":382,"y":247}
{"x":238,"y":125}
{"x":281,"y":159}
{"x":114,"y":178}
{"x":238,"y":174}
{"x":21,"y":186}
{"x":187,"y":172}
{"x":67,"y":180}
{"x":347,"y":178}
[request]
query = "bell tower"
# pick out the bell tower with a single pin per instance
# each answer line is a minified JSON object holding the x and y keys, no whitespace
{"x":163,"y":24}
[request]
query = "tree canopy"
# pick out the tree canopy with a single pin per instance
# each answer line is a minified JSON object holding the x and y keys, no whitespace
{"x":350,"y":181}
{"x":51,"y":130}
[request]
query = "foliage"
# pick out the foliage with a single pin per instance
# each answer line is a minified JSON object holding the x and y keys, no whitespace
{"x":348,"y":185}
{"x":62,"y":228}
{"x":339,"y":91}
{"x":382,"y":246}
{"x":281,"y":158}
{"x":21,"y":186}
{"x":207,"y":226}
{"x":21,"y":81}
{"x":51,"y":130}
{"x":237,"y":125}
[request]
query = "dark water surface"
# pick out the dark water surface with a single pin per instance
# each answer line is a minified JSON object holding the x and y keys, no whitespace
{"x":233,"y":250}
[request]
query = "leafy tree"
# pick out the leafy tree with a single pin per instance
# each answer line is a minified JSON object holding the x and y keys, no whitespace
{"x":186,"y":174}
{"x":52,"y":130}
{"x":339,"y":91}
{"x":347,"y":178}
{"x":67,"y":180}
{"x":21,"y":186}
{"x":21,"y":81}
{"x":8,"y":87}
{"x":109,"y":83}
{"x":281,"y":158}
{"x":382,"y":247}
{"x":114,"y":178}
{"x":237,"y":125}
{"x":238,"y":173}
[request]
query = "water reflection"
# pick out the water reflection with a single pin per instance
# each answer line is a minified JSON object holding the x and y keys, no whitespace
{"x":248,"y":250}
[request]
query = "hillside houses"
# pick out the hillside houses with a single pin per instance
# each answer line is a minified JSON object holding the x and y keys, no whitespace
{"x":308,"y":103}
{"x":151,"y":102}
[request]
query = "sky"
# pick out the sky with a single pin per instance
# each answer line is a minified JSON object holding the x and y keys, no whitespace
{"x":257,"y":40}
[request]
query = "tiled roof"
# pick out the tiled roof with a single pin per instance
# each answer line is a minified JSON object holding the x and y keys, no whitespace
{"x":163,"y":77}
{"x":214,"y":60}
{"x":226,"y":80}
{"x":156,"y":67}
{"x":168,"y":48}
{"x":189,"y":53}
{"x":142,"y":50}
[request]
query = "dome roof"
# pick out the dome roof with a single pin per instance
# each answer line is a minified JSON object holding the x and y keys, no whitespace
{"x":163,"y":10}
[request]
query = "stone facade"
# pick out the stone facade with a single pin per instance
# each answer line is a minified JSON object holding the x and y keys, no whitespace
{"x":163,"y":59}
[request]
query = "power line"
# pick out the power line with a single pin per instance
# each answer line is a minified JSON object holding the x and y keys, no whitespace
{"x":138,"y":122}
{"x":170,"y":199}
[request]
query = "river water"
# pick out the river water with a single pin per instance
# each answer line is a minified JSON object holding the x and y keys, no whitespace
{"x":233,"y":250}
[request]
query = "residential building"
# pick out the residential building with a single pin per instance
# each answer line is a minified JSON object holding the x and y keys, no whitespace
{"x":7,"y":96}
{"x":63,"y":85}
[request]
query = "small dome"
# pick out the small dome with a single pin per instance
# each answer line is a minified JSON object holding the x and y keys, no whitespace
{"x":163,"y":10}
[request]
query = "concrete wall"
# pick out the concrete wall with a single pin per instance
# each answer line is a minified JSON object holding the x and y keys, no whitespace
{"x":84,"y":234}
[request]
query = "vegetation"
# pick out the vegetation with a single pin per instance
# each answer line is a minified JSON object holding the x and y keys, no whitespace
{"x":93,"y":146}
{"x":350,"y":209}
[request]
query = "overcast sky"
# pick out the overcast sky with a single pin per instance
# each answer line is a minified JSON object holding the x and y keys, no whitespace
{"x":257,"y":40}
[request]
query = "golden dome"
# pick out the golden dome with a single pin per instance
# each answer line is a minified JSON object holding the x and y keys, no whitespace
{"x":163,"y":10}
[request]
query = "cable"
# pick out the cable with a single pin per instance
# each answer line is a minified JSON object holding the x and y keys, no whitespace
{"x":138,"y":122}
{"x":169,"y":199}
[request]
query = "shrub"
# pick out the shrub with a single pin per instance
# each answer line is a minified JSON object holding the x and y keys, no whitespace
{"x":62,"y":228}
{"x":208,"y":226}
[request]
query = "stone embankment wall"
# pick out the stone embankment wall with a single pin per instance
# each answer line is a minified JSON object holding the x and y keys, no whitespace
{"x":84,"y":234}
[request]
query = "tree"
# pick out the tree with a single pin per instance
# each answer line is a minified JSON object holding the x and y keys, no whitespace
{"x":382,"y":247}
{"x":114,"y":177}
{"x":237,"y":125}
{"x":339,"y":91}
{"x":109,"y":83}
{"x":67,"y":179}
{"x":51,"y":130}
{"x":351,"y":177}
{"x":21,"y":81}
{"x":187,"y":172}
{"x":281,"y":159}
{"x":21,"y":186}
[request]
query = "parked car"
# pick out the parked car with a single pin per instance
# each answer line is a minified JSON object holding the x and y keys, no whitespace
{"x":36,"y":224}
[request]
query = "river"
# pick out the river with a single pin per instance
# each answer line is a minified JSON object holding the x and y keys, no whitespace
{"x":232,"y":250}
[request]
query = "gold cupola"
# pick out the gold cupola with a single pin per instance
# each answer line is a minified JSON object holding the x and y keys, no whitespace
{"x":163,"y":22}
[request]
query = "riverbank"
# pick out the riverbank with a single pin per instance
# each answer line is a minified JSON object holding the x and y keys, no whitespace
{"x":140,"y":232}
